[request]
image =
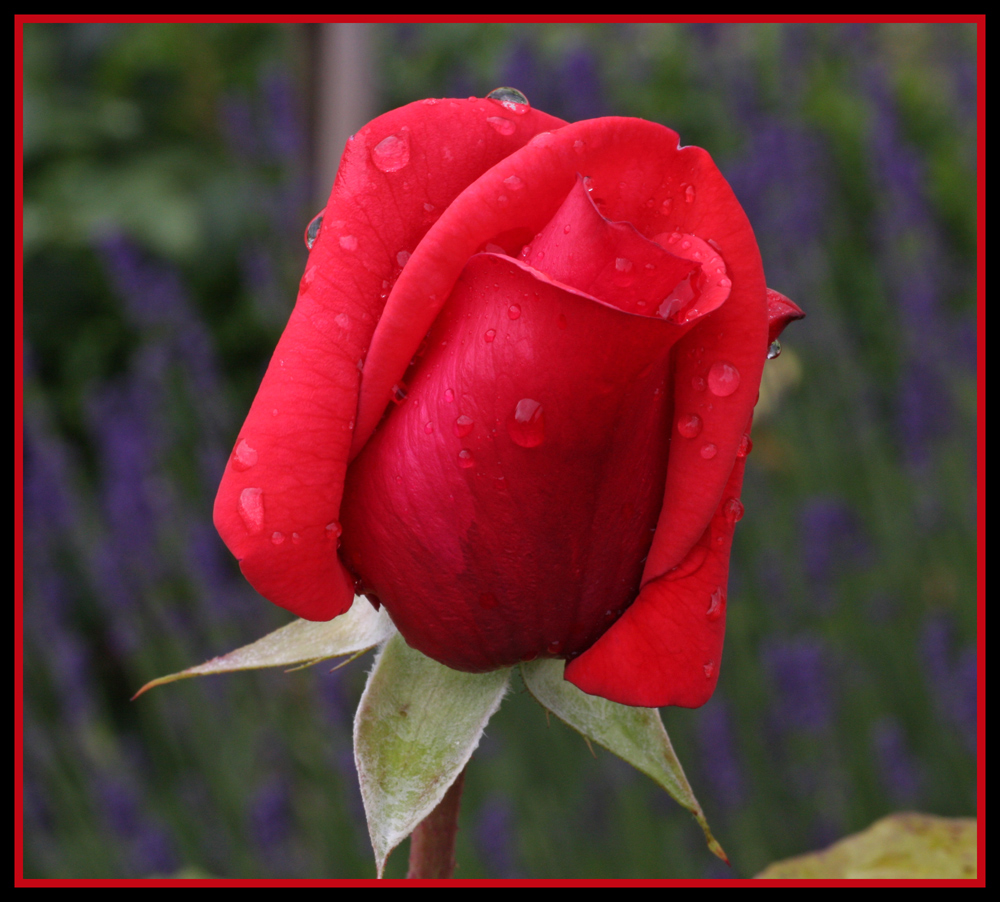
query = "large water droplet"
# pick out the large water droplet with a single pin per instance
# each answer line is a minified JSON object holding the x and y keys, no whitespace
{"x":490,"y":335}
{"x":251,"y":508}
{"x":746,"y":446}
{"x":393,"y":153}
{"x":449,"y":395}
{"x":689,"y":194}
{"x":773,"y":349}
{"x":334,"y":530}
{"x":513,"y":182}
{"x":623,"y":264}
{"x":244,"y":457}
{"x":511,"y":99}
{"x":463,"y":426}
{"x":277,"y":538}
{"x":513,"y":311}
{"x":715,"y":604}
{"x":465,"y":458}
{"x":723,"y":378}
{"x":733,"y":509}
{"x":348,"y":242}
{"x":708,"y":451}
{"x":312,"y":230}
{"x":526,"y":425}
{"x":689,"y":425}
{"x":504,"y":126}
{"x":402,"y":257}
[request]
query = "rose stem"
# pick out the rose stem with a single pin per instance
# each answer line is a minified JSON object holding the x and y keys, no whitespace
{"x":432,"y":843}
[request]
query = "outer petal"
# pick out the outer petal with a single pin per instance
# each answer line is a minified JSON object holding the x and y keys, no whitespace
{"x":667,"y":647}
{"x":279,"y":499}
{"x":637,"y":174}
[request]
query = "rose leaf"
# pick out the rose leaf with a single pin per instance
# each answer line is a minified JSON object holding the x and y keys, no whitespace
{"x":300,"y":643}
{"x":635,"y":735}
{"x":416,"y":728}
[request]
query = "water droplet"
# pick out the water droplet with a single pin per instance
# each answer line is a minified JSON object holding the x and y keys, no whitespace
{"x":709,"y":669}
{"x":277,"y":538}
{"x":503,"y":200}
{"x":449,"y":395}
{"x":430,"y":101}
{"x":399,"y":391}
{"x":689,"y":425}
{"x":513,"y":182}
{"x":490,"y":335}
{"x":251,"y":508}
{"x":244,"y":457}
{"x":488,"y":600}
{"x":708,"y":451}
{"x":623,"y":264}
{"x":428,"y":427}
{"x":510,"y":99}
{"x":526,"y":425}
{"x":578,"y":145}
{"x":746,"y":446}
{"x":348,"y":242}
{"x":554,"y":646}
{"x":296,"y":538}
{"x":715,"y":604}
{"x":723,"y":378}
{"x":733,"y":510}
{"x":312,"y":230}
{"x":334,"y":530}
{"x":463,"y":426}
{"x":501,"y":125}
{"x":688,"y":194}
{"x":561,"y":321}
{"x":465,"y":458}
{"x":666,"y":205}
{"x":428,"y":207}
{"x":773,"y":349}
{"x":393,"y":153}
{"x":402,"y":257}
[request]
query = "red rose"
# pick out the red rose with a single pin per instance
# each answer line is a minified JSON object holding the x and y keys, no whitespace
{"x":572,"y":321}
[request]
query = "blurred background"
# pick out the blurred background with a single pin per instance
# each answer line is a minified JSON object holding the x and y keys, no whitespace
{"x":169,"y":172}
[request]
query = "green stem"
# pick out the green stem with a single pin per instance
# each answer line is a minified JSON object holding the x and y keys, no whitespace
{"x":432,"y":843}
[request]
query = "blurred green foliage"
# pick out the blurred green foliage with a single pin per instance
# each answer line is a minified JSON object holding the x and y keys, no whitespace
{"x":164,"y":206}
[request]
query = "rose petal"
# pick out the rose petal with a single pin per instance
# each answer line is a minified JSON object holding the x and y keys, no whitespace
{"x":667,"y":647}
{"x":274,"y":514}
{"x":503,"y":510}
{"x":638,"y":175}
{"x":780,"y":312}
{"x":609,"y":260}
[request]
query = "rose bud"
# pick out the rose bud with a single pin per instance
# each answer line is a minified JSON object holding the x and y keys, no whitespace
{"x":512,"y":403}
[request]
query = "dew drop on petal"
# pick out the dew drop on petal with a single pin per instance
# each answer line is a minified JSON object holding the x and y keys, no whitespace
{"x":733,"y":509}
{"x":402,"y":257}
{"x":428,"y":427}
{"x":244,"y":457}
{"x":709,"y":669}
{"x":348,"y":242}
{"x":334,"y":530}
{"x":277,"y":538}
{"x":463,"y":426}
{"x":490,"y":335}
{"x":715,"y":604}
{"x":526,"y":425}
{"x":511,"y":99}
{"x":554,"y":646}
{"x":689,"y":194}
{"x":723,"y":378}
{"x":513,"y":182}
{"x":689,"y":425}
{"x":698,"y":383}
{"x":513,"y":311}
{"x":312,"y":230}
{"x":392,"y":154}
{"x":501,"y":125}
{"x":251,"y":508}
{"x":708,"y":451}
{"x":623,"y":264}
{"x":666,"y":205}
{"x":773,"y":349}
{"x":399,"y":392}
{"x":449,"y":395}
{"x":745,"y":447}
{"x":465,"y":458}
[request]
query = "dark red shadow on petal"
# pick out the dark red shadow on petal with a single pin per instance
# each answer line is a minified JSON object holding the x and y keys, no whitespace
{"x":502,"y":512}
